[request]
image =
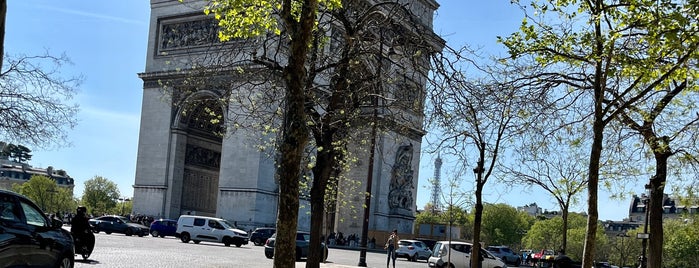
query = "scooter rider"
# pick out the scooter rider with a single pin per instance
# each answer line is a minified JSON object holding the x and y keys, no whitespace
{"x":80,"y":224}
{"x":82,"y":233}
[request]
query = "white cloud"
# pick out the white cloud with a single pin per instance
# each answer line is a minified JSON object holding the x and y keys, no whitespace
{"x":92,"y":15}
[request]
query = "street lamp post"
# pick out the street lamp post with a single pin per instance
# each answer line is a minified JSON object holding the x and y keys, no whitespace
{"x":123,"y":200}
{"x":370,"y":175}
{"x":645,"y":235}
{"x":622,"y":258}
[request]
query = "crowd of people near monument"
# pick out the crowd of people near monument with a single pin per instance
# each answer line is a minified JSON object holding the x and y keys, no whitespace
{"x":339,"y":239}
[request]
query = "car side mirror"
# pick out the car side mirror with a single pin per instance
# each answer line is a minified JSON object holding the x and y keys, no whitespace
{"x":56,"y":223}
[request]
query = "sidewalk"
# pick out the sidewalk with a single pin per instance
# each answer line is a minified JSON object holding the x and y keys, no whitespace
{"x":337,"y":265}
{"x":327,"y":265}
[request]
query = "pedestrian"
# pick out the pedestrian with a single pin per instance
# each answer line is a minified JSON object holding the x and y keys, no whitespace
{"x":391,"y":246}
{"x":561,"y":260}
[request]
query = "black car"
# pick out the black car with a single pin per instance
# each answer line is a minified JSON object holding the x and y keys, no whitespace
{"x":118,"y":224}
{"x":302,"y":246}
{"x":260,"y":235}
{"x":30,"y":239}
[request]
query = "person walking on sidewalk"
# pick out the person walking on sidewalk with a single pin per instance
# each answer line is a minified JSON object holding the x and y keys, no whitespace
{"x":391,"y":246}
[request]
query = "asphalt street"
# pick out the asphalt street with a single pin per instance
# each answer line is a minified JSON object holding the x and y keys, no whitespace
{"x":118,"y":250}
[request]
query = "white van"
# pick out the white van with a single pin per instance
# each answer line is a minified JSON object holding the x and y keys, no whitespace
{"x":200,"y":228}
{"x":460,"y":256}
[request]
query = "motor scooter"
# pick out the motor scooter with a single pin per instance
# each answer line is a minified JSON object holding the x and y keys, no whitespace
{"x":84,"y":243}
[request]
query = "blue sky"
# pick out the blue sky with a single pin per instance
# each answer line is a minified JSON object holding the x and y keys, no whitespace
{"x":107,"y":42}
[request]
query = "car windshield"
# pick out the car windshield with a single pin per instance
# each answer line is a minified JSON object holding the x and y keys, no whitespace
{"x":404,"y":243}
{"x":435,"y":250}
{"x":228,"y":225}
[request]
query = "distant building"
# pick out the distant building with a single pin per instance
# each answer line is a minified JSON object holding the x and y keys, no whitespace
{"x":13,"y":172}
{"x":637,"y":214}
{"x":615,"y":228}
{"x":671,"y":210}
{"x":532,"y":209}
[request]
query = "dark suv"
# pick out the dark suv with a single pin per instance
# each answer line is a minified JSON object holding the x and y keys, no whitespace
{"x":29,"y":238}
{"x":260,"y":235}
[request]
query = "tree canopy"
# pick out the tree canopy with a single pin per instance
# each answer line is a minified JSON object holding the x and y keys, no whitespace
{"x":100,"y":195}
{"x":607,"y":58}
{"x":46,"y":193}
{"x":19,"y":153}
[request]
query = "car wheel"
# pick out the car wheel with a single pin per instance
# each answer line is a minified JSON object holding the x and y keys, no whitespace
{"x":325,"y":254}
{"x":257,"y":242}
{"x":65,"y":262}
{"x":227,"y":241}
{"x":414,"y":257}
{"x":95,"y":230}
{"x":162,"y":236}
{"x":107,"y":232}
{"x":196,"y":241}
{"x":128,"y":232}
{"x":269,"y":255}
{"x":518,"y":262}
{"x":298,"y":254}
{"x":154,"y":233}
{"x":184,"y":237}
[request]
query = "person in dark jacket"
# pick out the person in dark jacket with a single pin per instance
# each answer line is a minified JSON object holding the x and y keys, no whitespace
{"x":80,"y":223}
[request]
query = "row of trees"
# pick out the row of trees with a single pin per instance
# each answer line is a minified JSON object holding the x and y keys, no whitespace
{"x":100,"y":196}
{"x":504,"y":225}
{"x":19,"y":153}
{"x":616,"y":79}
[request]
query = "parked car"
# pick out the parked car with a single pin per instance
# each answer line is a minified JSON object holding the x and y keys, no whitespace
{"x":302,"y":246}
{"x":200,"y":228}
{"x":460,"y":256}
{"x":544,"y":258}
{"x":163,"y":228}
{"x":505,"y":254}
{"x":260,"y":235}
{"x":117,"y":224}
{"x":30,"y":239}
{"x":413,"y":250}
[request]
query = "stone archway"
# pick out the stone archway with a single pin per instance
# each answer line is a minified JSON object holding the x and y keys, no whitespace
{"x":201,"y":120}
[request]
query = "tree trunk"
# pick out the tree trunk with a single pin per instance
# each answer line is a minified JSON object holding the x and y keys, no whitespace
{"x":294,"y":141}
{"x":478,"y":217}
{"x":598,"y":137}
{"x":294,"y":131}
{"x":564,"y":212}
{"x":321,"y":175}
{"x":655,"y":214}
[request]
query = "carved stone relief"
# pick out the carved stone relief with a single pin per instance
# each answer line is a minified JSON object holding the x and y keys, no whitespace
{"x":188,"y":34}
{"x":203,"y":157}
{"x":400,"y":195}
